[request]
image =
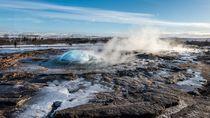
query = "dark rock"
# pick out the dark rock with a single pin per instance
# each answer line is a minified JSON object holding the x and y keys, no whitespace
{"x":33,"y":60}
{"x":195,"y":92}
{"x":44,"y":78}
{"x":73,"y":90}
{"x":1,"y":75}
{"x":171,"y":67}
{"x":106,"y":78}
{"x":144,"y":110}
{"x":133,"y":72}
{"x":130,"y":73}
{"x":176,"y":68}
{"x":6,"y":102}
{"x":145,"y":56}
{"x":18,"y":75}
{"x":199,"y":110}
{"x":163,"y":99}
{"x":104,"y":102}
{"x":165,"y":57}
{"x":54,"y":106}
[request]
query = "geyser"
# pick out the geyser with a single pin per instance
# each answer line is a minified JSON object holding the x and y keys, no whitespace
{"x":146,"y":40}
{"x":78,"y":57}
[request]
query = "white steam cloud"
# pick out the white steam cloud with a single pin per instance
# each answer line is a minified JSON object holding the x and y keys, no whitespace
{"x":146,"y":40}
{"x":119,"y":50}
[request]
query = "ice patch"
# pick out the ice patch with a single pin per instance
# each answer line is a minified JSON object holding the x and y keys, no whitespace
{"x":188,"y":57}
{"x":70,"y":93}
{"x":197,"y":81}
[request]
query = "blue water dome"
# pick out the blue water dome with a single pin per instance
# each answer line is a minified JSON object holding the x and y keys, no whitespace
{"x":78,"y":56}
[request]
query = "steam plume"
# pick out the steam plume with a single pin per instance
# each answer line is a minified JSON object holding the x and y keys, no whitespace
{"x":146,"y":40}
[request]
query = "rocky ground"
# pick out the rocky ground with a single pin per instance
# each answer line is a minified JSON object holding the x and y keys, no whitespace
{"x":169,"y":84}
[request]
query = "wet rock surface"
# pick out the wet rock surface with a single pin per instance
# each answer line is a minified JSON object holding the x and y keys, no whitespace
{"x":170,"y":84}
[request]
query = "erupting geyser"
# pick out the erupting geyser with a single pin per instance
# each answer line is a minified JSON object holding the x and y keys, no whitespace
{"x":78,"y":57}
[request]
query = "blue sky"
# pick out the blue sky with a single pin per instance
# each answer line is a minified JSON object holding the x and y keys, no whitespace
{"x":104,"y":16}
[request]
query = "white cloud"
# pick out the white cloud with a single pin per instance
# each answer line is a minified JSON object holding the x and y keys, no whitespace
{"x":97,"y":15}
